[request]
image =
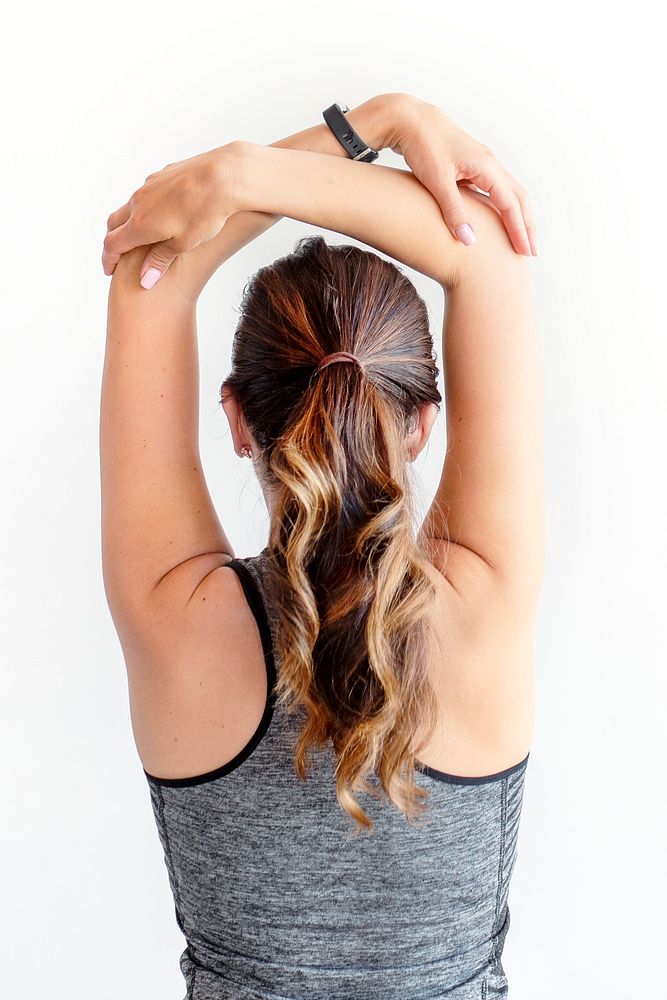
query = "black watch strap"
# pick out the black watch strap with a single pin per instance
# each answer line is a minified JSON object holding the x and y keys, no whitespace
{"x":353,"y":144}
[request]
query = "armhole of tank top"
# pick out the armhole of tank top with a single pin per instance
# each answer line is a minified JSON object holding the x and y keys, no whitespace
{"x":255,"y":601}
{"x":483,"y":779}
{"x":253,"y":596}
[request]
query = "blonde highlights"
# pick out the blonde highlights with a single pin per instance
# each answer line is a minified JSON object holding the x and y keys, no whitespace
{"x":348,"y":582}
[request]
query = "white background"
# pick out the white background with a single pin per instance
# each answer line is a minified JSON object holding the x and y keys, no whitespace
{"x":95,"y":97}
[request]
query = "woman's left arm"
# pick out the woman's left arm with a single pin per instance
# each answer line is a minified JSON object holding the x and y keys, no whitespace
{"x":158,"y":520}
{"x":160,"y":532}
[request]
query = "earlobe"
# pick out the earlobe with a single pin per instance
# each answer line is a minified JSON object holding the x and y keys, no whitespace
{"x":237,"y":426}
{"x":427,"y":414}
{"x":230,"y":406}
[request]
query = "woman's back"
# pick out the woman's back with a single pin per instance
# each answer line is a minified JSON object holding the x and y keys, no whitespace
{"x":274,"y":893}
{"x":481,"y":669}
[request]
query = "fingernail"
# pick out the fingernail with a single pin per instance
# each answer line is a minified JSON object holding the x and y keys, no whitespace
{"x":150,"y":277}
{"x":465,"y":234}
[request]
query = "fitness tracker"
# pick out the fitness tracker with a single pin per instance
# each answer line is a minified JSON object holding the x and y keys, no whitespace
{"x":353,"y":144}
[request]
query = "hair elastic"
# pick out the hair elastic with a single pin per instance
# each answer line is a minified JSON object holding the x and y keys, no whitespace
{"x":339,"y":356}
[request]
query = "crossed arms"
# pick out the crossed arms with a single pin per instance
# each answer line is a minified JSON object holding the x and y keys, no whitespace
{"x":161,"y":533}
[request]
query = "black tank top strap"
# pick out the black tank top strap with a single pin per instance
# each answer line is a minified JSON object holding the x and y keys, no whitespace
{"x":254,"y":597}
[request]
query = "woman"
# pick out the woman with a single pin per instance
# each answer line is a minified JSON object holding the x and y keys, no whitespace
{"x":354,"y":676}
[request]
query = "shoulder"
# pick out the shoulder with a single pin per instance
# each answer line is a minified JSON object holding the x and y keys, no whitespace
{"x":194,"y":669}
{"x":199,"y":597}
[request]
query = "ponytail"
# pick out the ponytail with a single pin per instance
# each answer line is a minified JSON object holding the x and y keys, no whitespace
{"x":347,"y":578}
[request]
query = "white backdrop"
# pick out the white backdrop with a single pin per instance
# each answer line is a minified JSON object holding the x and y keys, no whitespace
{"x":95,"y":97}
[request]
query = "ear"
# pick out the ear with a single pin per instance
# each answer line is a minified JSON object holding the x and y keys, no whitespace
{"x":240,"y":434}
{"x":427,"y":414}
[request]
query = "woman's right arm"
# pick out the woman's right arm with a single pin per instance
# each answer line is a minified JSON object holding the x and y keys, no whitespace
{"x":385,"y":207}
{"x":489,"y":501}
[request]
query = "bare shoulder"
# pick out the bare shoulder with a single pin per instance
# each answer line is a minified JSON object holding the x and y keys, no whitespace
{"x":192,"y":704}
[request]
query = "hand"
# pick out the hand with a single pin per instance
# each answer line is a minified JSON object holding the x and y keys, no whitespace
{"x":176,"y":209}
{"x":441,"y":155}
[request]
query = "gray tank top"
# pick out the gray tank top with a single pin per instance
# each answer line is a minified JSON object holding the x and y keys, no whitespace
{"x":277,"y":899}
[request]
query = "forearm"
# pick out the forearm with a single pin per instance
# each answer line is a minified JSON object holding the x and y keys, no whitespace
{"x":374,"y":121}
{"x":384,"y":207}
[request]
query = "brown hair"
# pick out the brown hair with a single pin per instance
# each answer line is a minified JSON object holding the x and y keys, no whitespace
{"x":348,"y":580}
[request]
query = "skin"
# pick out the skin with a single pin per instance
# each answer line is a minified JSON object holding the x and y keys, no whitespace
{"x":179,"y":207}
{"x":175,"y":606}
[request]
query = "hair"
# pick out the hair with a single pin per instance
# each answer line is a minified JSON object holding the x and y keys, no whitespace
{"x":348,"y":580}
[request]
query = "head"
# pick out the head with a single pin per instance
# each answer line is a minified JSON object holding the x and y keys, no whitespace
{"x":332,"y":449}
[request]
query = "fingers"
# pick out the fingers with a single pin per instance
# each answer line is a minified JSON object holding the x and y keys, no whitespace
{"x":512,"y":204}
{"x":118,"y":217}
{"x":528,"y":219}
{"x":158,"y":260}
{"x":454,"y":212}
{"x":511,"y":200}
{"x":116,"y":243}
{"x":506,"y":200}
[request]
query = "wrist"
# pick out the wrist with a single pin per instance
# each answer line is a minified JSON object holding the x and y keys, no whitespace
{"x":383,"y":120}
{"x":374,"y":120}
{"x":402,"y":112}
{"x":239,"y":172}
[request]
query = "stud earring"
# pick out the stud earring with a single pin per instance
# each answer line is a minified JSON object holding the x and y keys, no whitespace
{"x":246,"y":452}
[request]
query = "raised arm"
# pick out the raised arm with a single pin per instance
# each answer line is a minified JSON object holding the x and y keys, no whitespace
{"x":385,"y":207}
{"x":158,"y":519}
{"x":490,"y":501}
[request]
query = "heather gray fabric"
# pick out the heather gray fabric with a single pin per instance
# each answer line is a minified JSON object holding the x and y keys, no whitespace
{"x":277,"y":900}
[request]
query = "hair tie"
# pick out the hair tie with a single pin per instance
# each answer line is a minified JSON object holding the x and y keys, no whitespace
{"x":339,"y":356}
